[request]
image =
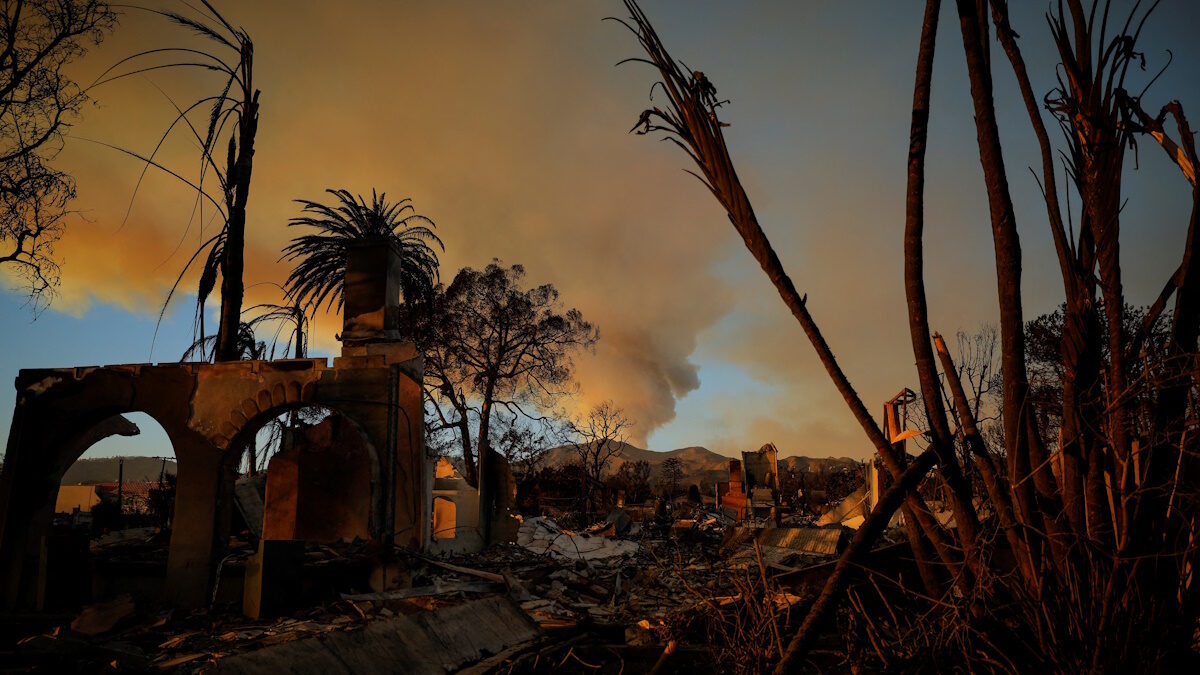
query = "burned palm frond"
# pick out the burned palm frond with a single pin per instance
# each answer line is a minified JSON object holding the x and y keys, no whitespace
{"x":236,"y":103}
{"x":250,"y":348}
{"x":691,"y":121}
{"x":287,"y":326}
{"x":290,"y":318}
{"x":1184,"y":156}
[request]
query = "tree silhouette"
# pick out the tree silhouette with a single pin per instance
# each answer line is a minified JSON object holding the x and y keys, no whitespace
{"x":597,"y":438}
{"x":634,"y":478}
{"x":490,"y":342}
{"x":38,"y":100}
{"x":319,"y":276}
{"x":233,"y":124}
{"x":672,"y":473}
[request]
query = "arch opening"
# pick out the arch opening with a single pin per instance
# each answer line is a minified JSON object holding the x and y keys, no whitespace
{"x":106,"y":529}
{"x":304,"y":472}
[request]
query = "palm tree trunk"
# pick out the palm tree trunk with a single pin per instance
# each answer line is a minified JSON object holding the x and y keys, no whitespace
{"x":232,"y":267}
{"x":914,"y":287}
{"x":697,"y":124}
{"x":1081,"y":360}
{"x":1022,"y":439}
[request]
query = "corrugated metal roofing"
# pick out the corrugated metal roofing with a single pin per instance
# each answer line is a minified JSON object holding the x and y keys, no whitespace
{"x":780,"y":544}
{"x":818,"y":540}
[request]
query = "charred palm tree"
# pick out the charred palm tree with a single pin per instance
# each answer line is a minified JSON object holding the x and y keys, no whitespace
{"x":691,"y":120}
{"x":319,"y":276}
{"x":250,"y":348}
{"x":1099,"y":569}
{"x":232,"y":124}
{"x":274,"y":318}
{"x":277,"y":319}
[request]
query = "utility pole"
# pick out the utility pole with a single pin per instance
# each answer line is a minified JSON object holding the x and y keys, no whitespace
{"x":120,"y":490}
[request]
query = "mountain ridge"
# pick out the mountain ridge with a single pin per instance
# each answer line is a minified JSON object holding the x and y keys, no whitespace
{"x":106,"y":470}
{"x":699,"y":463}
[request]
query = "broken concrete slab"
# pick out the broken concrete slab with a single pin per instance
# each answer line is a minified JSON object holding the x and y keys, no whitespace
{"x":431,"y":643}
{"x":779,"y":547}
{"x":544,"y":537}
{"x":248,"y":494}
{"x":848,"y":508}
{"x":620,"y":520}
{"x":103,"y":616}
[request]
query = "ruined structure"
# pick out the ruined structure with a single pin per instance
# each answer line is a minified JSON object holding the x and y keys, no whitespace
{"x":752,"y":490}
{"x":314,"y":486}
{"x":209,"y":412}
{"x":455,"y":512}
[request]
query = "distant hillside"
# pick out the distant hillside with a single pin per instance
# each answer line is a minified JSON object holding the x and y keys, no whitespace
{"x":818,"y":464}
{"x":699,"y":464}
{"x":105,"y":469}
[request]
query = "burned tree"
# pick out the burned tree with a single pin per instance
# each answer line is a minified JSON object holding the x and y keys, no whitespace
{"x":634,"y":479}
{"x":597,"y":438}
{"x":1083,"y":555}
{"x":38,"y":101}
{"x":491,"y":343}
{"x":524,"y":443}
{"x":672,"y":473}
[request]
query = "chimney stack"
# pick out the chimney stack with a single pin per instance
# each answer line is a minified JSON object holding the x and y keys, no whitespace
{"x":372,"y":294}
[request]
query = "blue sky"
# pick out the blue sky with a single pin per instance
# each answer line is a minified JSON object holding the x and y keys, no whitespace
{"x":103,"y":334}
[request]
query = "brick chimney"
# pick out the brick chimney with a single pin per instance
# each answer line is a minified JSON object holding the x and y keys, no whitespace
{"x":735,"y":475}
{"x":372,"y":294}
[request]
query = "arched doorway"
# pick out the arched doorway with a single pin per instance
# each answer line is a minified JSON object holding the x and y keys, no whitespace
{"x":315,"y":471}
{"x":106,"y":529}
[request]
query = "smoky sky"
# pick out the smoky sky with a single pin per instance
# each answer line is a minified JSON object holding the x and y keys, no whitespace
{"x":506,"y":123}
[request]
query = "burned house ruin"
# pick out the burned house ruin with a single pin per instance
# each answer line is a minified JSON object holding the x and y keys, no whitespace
{"x":752,"y":491}
{"x":210,"y":411}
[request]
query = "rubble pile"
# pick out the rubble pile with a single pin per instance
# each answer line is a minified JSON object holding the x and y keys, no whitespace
{"x":631,"y":588}
{"x":541,"y":535}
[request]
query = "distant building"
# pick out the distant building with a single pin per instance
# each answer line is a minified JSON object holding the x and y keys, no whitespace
{"x":731,"y":497}
{"x":136,"y":495}
{"x":72,"y":498}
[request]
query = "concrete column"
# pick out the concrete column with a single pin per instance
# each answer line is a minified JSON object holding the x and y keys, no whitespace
{"x":19,"y":535}
{"x":190,"y":559}
{"x":413,"y":486}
